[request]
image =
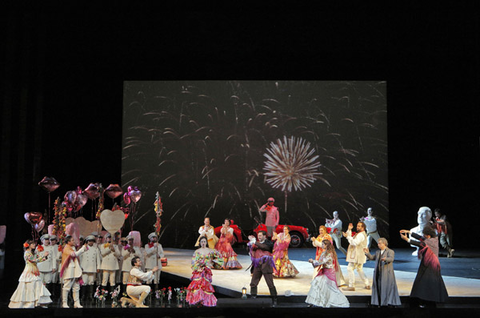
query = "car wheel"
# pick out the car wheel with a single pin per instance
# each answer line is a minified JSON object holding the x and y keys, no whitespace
{"x":296,"y":240}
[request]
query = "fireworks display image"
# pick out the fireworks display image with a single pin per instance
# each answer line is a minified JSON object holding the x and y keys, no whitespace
{"x":220,"y":148}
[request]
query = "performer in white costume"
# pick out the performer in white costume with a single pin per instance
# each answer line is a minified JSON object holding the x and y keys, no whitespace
{"x":90,"y":261}
{"x":335,"y":226}
{"x":71,"y":272}
{"x":355,"y":255}
{"x":48,"y":267}
{"x":154,"y":253}
{"x":208,"y":231}
{"x":135,"y":288}
{"x":129,"y":252}
{"x":371,"y":224}
{"x":109,"y":266}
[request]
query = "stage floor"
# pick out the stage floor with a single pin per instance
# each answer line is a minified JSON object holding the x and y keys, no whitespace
{"x":231,"y":282}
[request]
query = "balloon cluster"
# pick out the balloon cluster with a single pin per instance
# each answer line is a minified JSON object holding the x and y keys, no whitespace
{"x":133,"y":194}
{"x":35,"y":219}
{"x":75,"y":200}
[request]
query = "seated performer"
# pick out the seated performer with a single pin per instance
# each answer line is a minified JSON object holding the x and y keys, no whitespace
{"x":200,"y":291}
{"x":209,"y":232}
{"x":283,"y":266}
{"x":135,"y":288}
{"x":30,"y":291}
{"x":384,"y":287}
{"x":428,"y":286}
{"x":324,"y":291}
{"x":224,"y":247}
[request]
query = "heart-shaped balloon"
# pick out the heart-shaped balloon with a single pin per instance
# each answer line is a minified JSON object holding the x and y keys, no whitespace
{"x":113,"y":191}
{"x":92,"y":191}
{"x":49,"y":184}
{"x":33,"y":218}
{"x":112,"y":221}
{"x":80,"y":202}
{"x":70,"y":196}
{"x":39,"y":226}
{"x":135,"y":195}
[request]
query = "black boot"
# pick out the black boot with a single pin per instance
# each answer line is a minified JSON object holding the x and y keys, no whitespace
{"x":273,"y":294}
{"x":253,"y":292}
{"x":82,"y":293}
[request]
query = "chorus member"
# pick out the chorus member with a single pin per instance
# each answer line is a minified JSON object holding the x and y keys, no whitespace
{"x":71,"y":272}
{"x":135,"y":287}
{"x":262,"y":263}
{"x":283,"y":265}
{"x":355,"y":255}
{"x":48,"y":267}
{"x":129,"y":252}
{"x":90,"y":261}
{"x":272,"y":217}
{"x":208,"y":231}
{"x":57,"y":257}
{"x":428,"y":286}
{"x":109,"y":266}
{"x":317,"y":242}
{"x":122,"y":243}
{"x":30,"y":292}
{"x":324,"y":291}
{"x":384,"y":287}
{"x":371,"y":224}
{"x":200,"y":291}
{"x":224,"y":247}
{"x":335,"y":226}
{"x":153,"y":257}
{"x":444,"y":230}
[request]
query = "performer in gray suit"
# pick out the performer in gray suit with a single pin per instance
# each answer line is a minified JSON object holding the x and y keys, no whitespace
{"x":384,"y":288}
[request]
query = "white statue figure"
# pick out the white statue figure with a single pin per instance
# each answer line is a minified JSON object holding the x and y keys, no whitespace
{"x":424,"y":216}
{"x":371,"y":224}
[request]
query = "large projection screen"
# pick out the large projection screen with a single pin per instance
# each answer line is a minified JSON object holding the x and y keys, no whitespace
{"x":221,"y":148}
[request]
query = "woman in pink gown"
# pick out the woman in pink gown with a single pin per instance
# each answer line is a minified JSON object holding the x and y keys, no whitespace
{"x":200,"y":291}
{"x":224,"y":247}
{"x":283,"y":266}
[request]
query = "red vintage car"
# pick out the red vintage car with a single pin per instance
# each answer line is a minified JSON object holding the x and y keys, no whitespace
{"x":299,"y":234}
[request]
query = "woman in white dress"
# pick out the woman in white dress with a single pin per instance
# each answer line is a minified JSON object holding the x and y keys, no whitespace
{"x":30,"y":292}
{"x":324,"y":291}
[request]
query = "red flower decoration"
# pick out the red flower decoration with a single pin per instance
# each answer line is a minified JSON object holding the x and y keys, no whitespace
{"x":40,"y":248}
{"x":26,"y":245}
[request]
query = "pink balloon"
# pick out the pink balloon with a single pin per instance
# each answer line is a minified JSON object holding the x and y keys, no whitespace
{"x":92,"y":191}
{"x":81,"y":201}
{"x":49,"y":184}
{"x":39,"y":226}
{"x":70,"y":196}
{"x":135,"y":195}
{"x":126,"y":198}
{"x":113,"y":191}
{"x":33,"y":218}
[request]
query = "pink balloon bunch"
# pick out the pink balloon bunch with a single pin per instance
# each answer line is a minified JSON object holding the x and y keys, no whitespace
{"x":35,"y":219}
{"x":75,"y":199}
{"x":133,"y":194}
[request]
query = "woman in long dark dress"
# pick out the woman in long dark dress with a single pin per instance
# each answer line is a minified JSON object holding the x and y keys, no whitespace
{"x":428,"y":286}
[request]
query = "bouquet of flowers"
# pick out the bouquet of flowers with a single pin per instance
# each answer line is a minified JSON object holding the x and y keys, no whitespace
{"x":100,"y":294}
{"x":114,"y":296}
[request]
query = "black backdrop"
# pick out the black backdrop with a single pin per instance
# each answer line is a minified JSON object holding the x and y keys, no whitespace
{"x":62,"y":81}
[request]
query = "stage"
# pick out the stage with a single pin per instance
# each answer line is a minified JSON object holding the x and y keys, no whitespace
{"x":461,"y":276}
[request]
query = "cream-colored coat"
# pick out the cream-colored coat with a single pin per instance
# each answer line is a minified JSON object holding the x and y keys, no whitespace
{"x":90,"y":260}
{"x":357,"y":243}
{"x":151,"y":258}
{"x":74,"y":270}
{"x":127,"y":258}
{"x":50,"y":263}
{"x":109,"y":258}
